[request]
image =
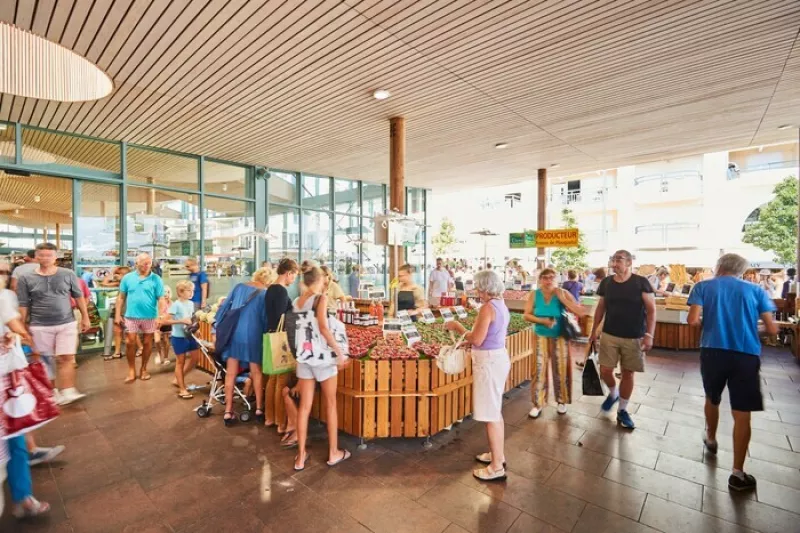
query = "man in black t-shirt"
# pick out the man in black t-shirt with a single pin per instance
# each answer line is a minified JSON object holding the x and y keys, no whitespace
{"x":628,"y":305}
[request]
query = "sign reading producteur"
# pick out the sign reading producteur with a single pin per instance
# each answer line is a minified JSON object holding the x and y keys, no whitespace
{"x":548,"y":238}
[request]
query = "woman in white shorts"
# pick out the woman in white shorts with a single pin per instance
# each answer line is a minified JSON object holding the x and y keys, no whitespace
{"x":490,"y":367}
{"x":324,"y":373}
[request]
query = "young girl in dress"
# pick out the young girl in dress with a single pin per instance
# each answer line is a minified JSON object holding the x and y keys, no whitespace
{"x":164,"y":329}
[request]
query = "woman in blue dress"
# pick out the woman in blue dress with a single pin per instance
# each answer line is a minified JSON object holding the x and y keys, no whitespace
{"x":244,"y":347}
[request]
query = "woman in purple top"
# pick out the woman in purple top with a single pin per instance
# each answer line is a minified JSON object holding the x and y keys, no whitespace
{"x":490,"y":367}
{"x":572,"y":285}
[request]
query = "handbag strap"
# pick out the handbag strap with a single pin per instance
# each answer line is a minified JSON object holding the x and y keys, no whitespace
{"x":280,"y":323}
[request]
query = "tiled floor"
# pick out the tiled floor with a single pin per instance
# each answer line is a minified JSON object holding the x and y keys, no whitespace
{"x":139,"y":460}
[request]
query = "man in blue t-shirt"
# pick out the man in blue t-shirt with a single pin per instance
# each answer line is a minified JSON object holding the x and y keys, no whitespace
{"x":730,"y":352}
{"x":200,"y":280}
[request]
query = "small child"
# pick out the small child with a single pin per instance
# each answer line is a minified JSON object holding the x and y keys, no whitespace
{"x":180,"y":316}
{"x":164,"y":329}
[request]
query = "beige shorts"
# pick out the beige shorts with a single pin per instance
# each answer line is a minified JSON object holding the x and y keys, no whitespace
{"x":627,"y":352}
{"x":55,"y":340}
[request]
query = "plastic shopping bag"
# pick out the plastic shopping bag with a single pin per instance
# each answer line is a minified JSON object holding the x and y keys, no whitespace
{"x":26,"y":400}
{"x":592,"y":383}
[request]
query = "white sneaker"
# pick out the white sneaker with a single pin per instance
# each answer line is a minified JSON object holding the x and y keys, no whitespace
{"x":534,"y":413}
{"x":562,"y":408}
{"x":57,"y":396}
{"x":70,"y":395}
{"x":158,"y":359}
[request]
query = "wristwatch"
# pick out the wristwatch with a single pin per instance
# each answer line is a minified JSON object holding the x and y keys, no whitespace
{"x":649,"y":335}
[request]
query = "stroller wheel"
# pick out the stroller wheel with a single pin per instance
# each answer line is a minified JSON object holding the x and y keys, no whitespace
{"x":203,"y":411}
{"x":245,"y":416}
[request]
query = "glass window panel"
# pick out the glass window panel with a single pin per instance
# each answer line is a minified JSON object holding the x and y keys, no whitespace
{"x":316,"y":239}
{"x":167,"y":226}
{"x":415,"y":206}
{"x":284,"y":225}
{"x":316,"y":192}
{"x":35,"y":209}
{"x":8,"y":143}
{"x":97,"y":244}
{"x":230,"y":235}
{"x":373,"y":199}
{"x":282,"y":187}
{"x":163,"y":169}
{"x":231,"y":180}
{"x":347,"y":242}
{"x":55,"y":151}
{"x":373,"y":258}
{"x":346,"y":196}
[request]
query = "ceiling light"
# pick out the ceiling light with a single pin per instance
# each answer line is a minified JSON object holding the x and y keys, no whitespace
{"x":52,"y":71}
{"x":224,"y":187}
{"x":785,"y":127}
{"x":555,"y":165}
{"x":16,"y":211}
{"x":3,"y":127}
{"x":381,"y":94}
{"x":501,"y":146}
{"x":37,"y":198}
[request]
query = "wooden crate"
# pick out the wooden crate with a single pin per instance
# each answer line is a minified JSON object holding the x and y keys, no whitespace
{"x":677,"y":336}
{"x":204,"y":333}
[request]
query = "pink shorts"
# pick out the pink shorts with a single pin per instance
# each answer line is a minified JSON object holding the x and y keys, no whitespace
{"x":141,"y":325}
{"x":55,"y":340}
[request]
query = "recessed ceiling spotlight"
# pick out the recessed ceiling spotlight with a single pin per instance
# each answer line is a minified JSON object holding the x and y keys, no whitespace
{"x":555,"y":165}
{"x":785,"y":127}
{"x":37,"y":198}
{"x":224,"y":187}
{"x":381,"y":94}
{"x":501,"y":146}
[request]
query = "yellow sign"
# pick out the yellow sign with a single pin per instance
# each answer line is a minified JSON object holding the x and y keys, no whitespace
{"x":557,"y":238}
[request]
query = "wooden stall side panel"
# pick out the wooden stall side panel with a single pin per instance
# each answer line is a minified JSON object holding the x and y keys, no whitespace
{"x":358,"y":403}
{"x":424,"y":402}
{"x":369,"y":418}
{"x":205,"y":334}
{"x":383,"y":403}
{"x":396,"y":406}
{"x":410,"y":407}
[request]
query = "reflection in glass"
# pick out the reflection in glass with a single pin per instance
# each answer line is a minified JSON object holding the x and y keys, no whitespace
{"x":166,"y":225}
{"x":346,"y":196}
{"x":230,"y":180}
{"x":35,"y":209}
{"x":373,"y":258}
{"x":98,"y":227}
{"x":166,"y":170}
{"x":316,"y":192}
{"x":229,"y":232}
{"x":50,"y":150}
{"x":8,"y":144}
{"x":282,"y":187}
{"x":284,"y":224}
{"x":373,"y":199}
{"x":415,"y":206}
{"x":346,"y":243}
{"x":317,"y":237}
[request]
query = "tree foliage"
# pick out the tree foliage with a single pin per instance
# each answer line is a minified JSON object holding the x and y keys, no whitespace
{"x":776,"y":227}
{"x":445,"y":239}
{"x":571,"y":258}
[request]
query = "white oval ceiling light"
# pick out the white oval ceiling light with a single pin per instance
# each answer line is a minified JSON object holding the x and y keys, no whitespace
{"x":33,"y":67}
{"x":381,"y":94}
{"x":501,"y":146}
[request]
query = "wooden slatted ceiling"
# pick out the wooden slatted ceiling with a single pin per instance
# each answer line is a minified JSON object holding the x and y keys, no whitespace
{"x":287,"y":84}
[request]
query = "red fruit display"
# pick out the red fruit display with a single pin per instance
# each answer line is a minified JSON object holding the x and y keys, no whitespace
{"x":362,"y":338}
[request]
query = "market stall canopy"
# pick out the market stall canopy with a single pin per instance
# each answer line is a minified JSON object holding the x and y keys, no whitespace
{"x":583,"y":85}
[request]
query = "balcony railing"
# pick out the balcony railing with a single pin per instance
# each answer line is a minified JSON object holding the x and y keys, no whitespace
{"x":668,"y":187}
{"x":577,"y":197}
{"x":672,"y":235}
{"x":734,"y":172}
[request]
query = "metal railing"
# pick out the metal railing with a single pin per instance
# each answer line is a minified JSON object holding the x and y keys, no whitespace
{"x":735,"y":173}
{"x":577,"y":197}
{"x":669,"y":176}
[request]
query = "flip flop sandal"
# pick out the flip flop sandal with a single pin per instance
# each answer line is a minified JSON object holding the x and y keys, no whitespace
{"x":486,"y":458}
{"x":186,"y":396}
{"x":308,"y":455}
{"x":485,"y":474}
{"x":112,"y":357}
{"x":128,"y":381}
{"x":145,"y":377}
{"x":345,"y":456}
{"x":35,"y":508}
{"x":580,"y":364}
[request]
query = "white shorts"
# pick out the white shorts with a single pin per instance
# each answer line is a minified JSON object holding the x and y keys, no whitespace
{"x":490,"y":370}
{"x":318,"y":373}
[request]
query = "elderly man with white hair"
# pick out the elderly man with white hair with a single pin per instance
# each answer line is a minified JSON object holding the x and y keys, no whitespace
{"x":730,"y":353}
{"x":490,"y":367}
{"x":139,"y":292}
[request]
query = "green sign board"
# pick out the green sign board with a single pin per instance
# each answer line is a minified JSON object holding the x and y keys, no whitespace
{"x":525,"y":239}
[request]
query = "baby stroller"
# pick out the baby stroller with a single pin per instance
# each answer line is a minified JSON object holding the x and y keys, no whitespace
{"x":217,"y":391}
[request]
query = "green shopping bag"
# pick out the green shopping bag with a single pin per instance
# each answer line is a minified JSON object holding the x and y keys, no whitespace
{"x":277,"y":357}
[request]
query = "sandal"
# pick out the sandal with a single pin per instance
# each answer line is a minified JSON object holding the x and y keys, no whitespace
{"x":486,"y":458}
{"x":287,"y":441}
{"x":486,"y":474}
{"x":185,"y":395}
{"x":580,"y":364}
{"x":305,"y":460}
{"x":260,"y":417}
{"x":112,"y":357}
{"x":30,"y":508}
{"x":228,"y":418}
{"x":145,"y":376}
{"x":345,"y":456}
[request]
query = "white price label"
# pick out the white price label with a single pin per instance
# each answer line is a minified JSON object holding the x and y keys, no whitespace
{"x":392,"y":327}
{"x":426,"y":316}
{"x":404,"y":317}
{"x":460,"y":311}
{"x":411,"y":334}
{"x":447,"y":315}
